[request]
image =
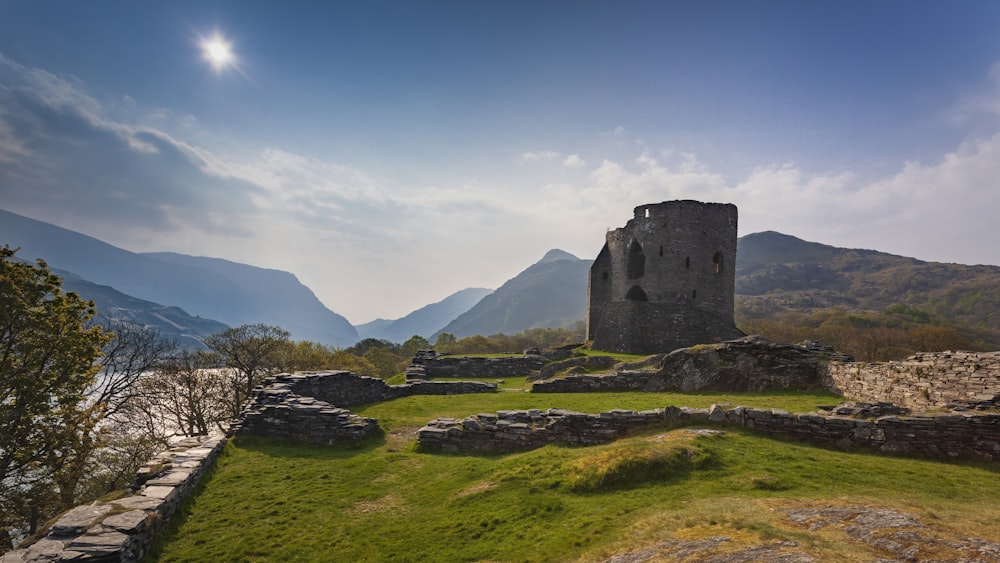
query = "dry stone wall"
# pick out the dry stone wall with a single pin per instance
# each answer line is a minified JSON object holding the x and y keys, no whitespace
{"x":307,"y":407}
{"x":922,"y":381}
{"x":427,"y":364}
{"x":962,"y":435}
{"x":123,"y":529}
{"x":745,"y":364}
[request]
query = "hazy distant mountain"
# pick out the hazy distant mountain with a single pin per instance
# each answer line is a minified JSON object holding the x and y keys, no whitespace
{"x":172,"y":322}
{"x":231,"y":293}
{"x":425,"y":321}
{"x":276,"y":295}
{"x":551,"y":293}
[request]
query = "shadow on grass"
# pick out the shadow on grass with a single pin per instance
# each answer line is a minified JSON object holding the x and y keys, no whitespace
{"x":275,"y":447}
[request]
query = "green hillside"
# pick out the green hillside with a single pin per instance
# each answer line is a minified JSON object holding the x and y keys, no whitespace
{"x":655,"y":492}
{"x":777,"y":274}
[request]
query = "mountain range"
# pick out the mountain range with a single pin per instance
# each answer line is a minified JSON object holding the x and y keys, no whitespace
{"x":551,"y":293}
{"x":425,"y":321}
{"x":190,"y":297}
{"x":227,"y":292}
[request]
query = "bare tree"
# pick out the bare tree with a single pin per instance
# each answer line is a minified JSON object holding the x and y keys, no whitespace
{"x":186,"y":394}
{"x":133,"y":350}
{"x":254,"y":351}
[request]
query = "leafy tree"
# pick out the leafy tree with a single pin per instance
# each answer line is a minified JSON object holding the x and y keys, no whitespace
{"x":367,"y":344}
{"x":386,"y":363}
{"x":445,"y":343}
{"x":347,"y":361}
{"x":413,"y":345}
{"x":254,"y":351}
{"x":307,"y":356}
{"x":938,"y":339}
{"x":48,"y":360}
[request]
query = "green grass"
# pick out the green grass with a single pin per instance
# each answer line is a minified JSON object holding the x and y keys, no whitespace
{"x":622,"y":357}
{"x":277,"y":501}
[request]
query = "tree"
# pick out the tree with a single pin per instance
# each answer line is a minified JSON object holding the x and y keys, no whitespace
{"x":48,"y":357}
{"x":254,"y":352}
{"x":445,"y":343}
{"x":307,"y":356}
{"x":132,"y":351}
{"x":186,"y":393}
{"x":413,"y":345}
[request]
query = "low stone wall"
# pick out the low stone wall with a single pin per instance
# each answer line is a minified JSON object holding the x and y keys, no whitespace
{"x":427,"y":365}
{"x":583,"y":362}
{"x":346,"y":389}
{"x":277,"y":412}
{"x":307,"y":406}
{"x":963,"y":435}
{"x":587,"y":382}
{"x":745,"y":364}
{"x":123,"y":529}
{"x":922,"y":381}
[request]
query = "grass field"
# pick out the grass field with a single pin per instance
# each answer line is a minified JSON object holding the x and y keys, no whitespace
{"x":386,"y":501}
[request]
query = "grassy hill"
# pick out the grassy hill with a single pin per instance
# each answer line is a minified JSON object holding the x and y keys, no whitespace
{"x":777,"y":273}
{"x":656,"y":492}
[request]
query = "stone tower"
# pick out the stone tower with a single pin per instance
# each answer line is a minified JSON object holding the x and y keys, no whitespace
{"x":665,"y":280}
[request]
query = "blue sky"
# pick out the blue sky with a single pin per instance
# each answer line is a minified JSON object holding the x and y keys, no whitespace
{"x":391,"y":153}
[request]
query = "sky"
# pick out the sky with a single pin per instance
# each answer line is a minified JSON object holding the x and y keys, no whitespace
{"x":390,"y":153}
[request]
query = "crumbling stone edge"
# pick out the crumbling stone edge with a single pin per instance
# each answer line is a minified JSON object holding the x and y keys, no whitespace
{"x":124,"y":529}
{"x":967,"y":435}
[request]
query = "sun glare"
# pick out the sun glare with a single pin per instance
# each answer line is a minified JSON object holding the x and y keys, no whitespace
{"x":218,"y":52}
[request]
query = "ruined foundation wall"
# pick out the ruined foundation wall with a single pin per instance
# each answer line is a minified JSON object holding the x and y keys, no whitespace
{"x":966,"y":435}
{"x":922,"y":381}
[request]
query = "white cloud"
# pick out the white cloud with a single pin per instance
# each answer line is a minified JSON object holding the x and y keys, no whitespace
{"x":539,"y":156}
{"x":357,"y":237}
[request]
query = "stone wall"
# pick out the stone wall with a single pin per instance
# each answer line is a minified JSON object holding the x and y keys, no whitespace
{"x":745,"y":364}
{"x":964,"y":435}
{"x":922,"y":381}
{"x":123,"y":529}
{"x":426,"y":365}
{"x":307,"y":407}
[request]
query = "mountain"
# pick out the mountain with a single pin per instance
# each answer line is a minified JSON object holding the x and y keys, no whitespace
{"x":231,"y":293}
{"x":425,"y":321}
{"x":172,"y":322}
{"x":277,"y":295}
{"x":785,"y":272}
{"x":551,"y":293}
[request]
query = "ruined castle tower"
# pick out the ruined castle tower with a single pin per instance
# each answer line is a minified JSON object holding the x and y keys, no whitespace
{"x":665,"y":280}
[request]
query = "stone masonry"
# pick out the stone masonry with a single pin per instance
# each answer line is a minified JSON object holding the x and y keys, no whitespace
{"x":746,"y":364}
{"x":301,"y":406}
{"x":963,"y":435}
{"x":922,"y":381}
{"x":123,"y":529}
{"x":665,"y":280}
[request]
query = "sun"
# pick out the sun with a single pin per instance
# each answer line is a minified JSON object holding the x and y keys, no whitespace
{"x":218,"y":52}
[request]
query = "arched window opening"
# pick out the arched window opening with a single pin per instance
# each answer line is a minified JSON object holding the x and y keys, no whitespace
{"x":635,"y":267}
{"x":604,"y":276}
{"x":694,"y":294}
{"x":661,"y":251}
{"x":687,"y":262}
{"x":635,"y":293}
{"x":717,"y":262}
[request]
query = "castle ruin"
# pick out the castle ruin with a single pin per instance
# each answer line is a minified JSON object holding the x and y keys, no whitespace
{"x":665,"y":280}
